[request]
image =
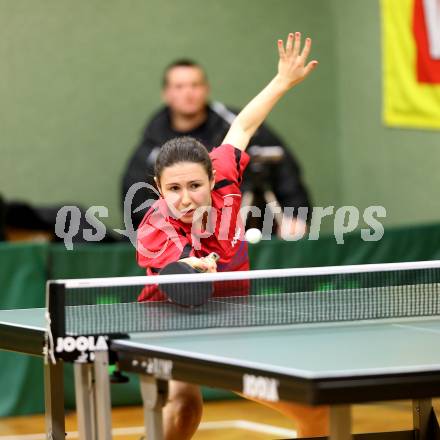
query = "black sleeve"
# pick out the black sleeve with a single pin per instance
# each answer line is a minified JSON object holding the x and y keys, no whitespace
{"x":2,"y":219}
{"x":285,"y":176}
{"x":140,"y":168}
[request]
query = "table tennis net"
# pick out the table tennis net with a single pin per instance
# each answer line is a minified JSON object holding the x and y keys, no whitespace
{"x":255,"y":298}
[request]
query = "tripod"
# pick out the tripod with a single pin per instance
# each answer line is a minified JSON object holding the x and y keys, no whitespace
{"x":260,"y":191}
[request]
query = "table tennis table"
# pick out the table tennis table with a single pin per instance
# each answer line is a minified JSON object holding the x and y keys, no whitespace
{"x":319,"y":363}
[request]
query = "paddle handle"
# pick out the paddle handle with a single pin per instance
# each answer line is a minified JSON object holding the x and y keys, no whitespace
{"x":213,"y":256}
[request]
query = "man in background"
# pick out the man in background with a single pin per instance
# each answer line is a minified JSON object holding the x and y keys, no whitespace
{"x":188,"y":112}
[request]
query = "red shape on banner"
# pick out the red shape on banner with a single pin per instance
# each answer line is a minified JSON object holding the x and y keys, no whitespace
{"x":428,"y":69}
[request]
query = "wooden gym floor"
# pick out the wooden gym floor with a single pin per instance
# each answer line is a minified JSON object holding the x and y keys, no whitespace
{"x":225,"y":420}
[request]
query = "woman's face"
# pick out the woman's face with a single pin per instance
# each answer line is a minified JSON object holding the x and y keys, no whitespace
{"x":185,"y":186}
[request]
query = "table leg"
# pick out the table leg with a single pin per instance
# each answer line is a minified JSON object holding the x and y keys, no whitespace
{"x":422,"y":409}
{"x":54,"y":400}
{"x":154,"y":396}
{"x":103,"y":404}
{"x":340,"y":422}
{"x":85,"y":399}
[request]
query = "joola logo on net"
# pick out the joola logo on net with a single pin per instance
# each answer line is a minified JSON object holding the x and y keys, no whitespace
{"x":82,"y":344}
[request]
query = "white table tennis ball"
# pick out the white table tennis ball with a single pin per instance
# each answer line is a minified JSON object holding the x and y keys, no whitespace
{"x":253,"y":235}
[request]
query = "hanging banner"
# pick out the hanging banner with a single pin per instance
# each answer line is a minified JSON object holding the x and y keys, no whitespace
{"x":411,"y":63}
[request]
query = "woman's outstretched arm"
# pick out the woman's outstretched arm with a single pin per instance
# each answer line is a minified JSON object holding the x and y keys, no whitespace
{"x":292,"y":69}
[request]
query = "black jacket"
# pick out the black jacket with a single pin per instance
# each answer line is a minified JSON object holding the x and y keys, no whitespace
{"x":284,"y":177}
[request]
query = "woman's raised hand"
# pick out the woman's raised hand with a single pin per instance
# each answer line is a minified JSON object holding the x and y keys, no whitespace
{"x":292,"y":65}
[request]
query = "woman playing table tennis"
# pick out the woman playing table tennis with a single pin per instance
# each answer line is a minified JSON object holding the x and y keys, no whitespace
{"x":198,"y":213}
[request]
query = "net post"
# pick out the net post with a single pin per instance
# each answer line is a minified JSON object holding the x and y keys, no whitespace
{"x":56,"y":301}
{"x":53,"y":369}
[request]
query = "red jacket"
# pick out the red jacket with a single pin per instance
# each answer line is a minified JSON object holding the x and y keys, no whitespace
{"x":162,"y":239}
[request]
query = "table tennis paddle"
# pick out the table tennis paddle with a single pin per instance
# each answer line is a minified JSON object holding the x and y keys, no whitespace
{"x":192,"y":295}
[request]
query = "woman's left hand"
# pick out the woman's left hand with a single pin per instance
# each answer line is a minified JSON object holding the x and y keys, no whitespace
{"x":203,"y":264}
{"x":292,"y":64}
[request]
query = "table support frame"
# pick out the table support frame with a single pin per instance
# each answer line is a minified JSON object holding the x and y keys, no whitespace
{"x":85,"y":400}
{"x":154,"y":396}
{"x":54,"y":400}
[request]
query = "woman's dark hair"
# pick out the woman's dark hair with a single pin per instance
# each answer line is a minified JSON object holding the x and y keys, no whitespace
{"x":182,"y":149}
